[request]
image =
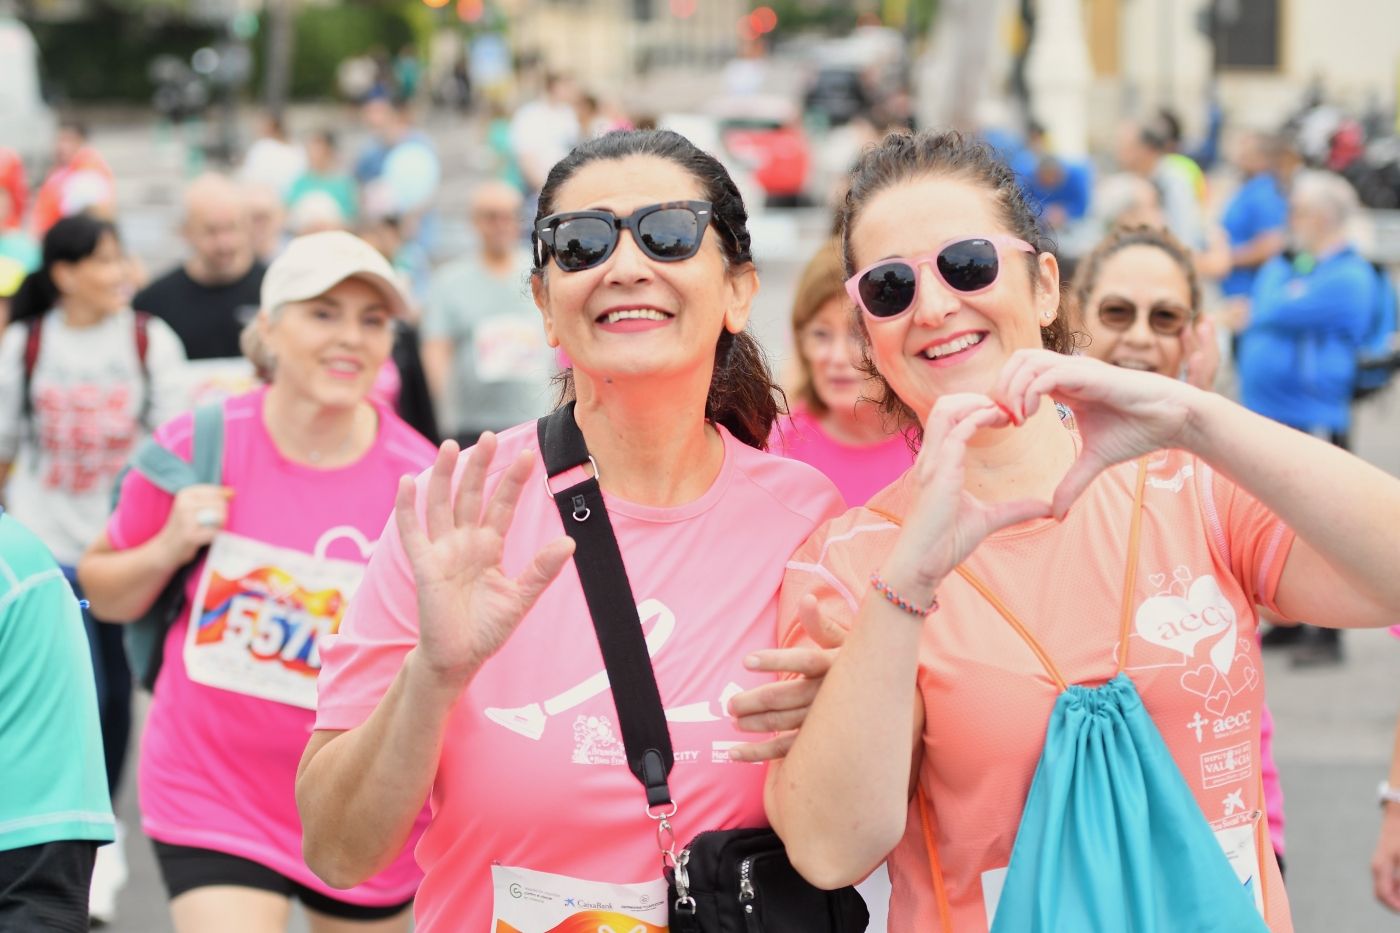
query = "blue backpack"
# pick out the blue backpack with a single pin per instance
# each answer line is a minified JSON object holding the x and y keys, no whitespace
{"x":144,"y":637}
{"x":1378,"y":356}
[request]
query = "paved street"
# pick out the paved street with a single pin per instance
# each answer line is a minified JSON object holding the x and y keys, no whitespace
{"x":1333,"y":726}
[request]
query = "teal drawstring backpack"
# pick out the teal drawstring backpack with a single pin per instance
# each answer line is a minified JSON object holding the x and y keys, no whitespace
{"x":1111,"y":838}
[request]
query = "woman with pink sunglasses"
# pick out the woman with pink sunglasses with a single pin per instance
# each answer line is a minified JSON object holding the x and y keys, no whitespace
{"x":1045,"y":715}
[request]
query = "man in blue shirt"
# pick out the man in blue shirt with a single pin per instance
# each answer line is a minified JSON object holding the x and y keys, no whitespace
{"x":1255,"y":220}
{"x":1309,"y":311}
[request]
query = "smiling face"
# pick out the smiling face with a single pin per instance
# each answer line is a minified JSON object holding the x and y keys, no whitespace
{"x":330,"y":348}
{"x":950,"y":341}
{"x":830,"y":349}
{"x":1149,"y":284}
{"x":633,"y":317}
{"x":98,"y":281}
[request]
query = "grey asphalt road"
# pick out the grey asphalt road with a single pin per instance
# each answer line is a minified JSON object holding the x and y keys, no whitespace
{"x":1334,"y":726}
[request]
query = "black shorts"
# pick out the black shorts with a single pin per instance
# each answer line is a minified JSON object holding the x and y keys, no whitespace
{"x":45,"y":887}
{"x":184,"y":868}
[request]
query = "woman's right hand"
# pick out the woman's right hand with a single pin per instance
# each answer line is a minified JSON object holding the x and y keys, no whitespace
{"x":947,"y":523}
{"x":197,"y":515}
{"x":467,"y":606}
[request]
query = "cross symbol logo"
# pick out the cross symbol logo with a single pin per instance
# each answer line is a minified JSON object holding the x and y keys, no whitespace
{"x":1234,"y":801}
{"x":1196,"y":724}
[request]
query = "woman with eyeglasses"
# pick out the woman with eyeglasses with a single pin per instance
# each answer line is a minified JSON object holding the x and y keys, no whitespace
{"x":468,"y":670}
{"x":1138,"y":302}
{"x":1046,"y":712}
{"x":835,"y":423}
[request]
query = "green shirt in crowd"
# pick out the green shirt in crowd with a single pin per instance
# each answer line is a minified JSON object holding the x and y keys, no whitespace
{"x":53,"y":783}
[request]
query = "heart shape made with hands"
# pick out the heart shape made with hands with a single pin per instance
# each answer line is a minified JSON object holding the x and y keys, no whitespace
{"x":1119,"y":414}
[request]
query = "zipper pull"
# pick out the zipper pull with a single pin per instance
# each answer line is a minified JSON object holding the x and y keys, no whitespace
{"x":746,"y":892}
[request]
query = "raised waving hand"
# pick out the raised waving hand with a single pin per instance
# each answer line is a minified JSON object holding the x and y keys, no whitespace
{"x":467,"y":606}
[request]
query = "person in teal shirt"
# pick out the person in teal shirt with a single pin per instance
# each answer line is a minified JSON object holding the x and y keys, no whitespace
{"x":323,"y":173}
{"x":54,"y":806}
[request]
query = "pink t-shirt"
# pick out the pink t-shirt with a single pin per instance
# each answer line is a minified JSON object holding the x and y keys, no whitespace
{"x":218,"y":768}
{"x":858,"y":472}
{"x":533,"y":773}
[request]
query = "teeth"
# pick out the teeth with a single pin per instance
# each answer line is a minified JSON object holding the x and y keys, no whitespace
{"x":345,"y":367}
{"x":634,"y":314}
{"x":1135,"y":364}
{"x":952,"y":346}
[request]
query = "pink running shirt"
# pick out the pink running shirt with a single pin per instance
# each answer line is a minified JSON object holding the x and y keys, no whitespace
{"x":533,"y":773}
{"x":1209,"y":553}
{"x":218,"y":768}
{"x":858,"y":472}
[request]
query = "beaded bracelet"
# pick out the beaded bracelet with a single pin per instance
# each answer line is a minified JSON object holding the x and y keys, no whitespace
{"x":900,"y":602}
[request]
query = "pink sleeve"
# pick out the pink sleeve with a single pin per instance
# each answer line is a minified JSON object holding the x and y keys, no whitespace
{"x":1253,"y":540}
{"x":359,"y":663}
{"x":141,"y":507}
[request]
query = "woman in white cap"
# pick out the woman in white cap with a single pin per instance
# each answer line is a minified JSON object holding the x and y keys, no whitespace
{"x":309,"y":465}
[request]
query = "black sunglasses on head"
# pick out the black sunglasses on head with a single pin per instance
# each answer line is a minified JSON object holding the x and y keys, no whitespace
{"x":666,"y":232}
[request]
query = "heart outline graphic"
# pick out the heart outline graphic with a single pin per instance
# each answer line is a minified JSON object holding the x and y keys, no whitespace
{"x":1190,"y":680}
{"x":1218,"y":702}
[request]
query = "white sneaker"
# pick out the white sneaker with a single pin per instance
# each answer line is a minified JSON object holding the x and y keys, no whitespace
{"x":109,"y":875}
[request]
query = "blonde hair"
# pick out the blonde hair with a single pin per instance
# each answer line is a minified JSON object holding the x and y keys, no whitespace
{"x":252,"y":345}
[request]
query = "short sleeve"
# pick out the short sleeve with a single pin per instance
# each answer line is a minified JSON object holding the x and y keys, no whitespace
{"x":1252,"y":540}
{"x":831,"y":565}
{"x":360,"y":661}
{"x":1271,"y":213}
{"x":165,"y":361}
{"x":142,"y":507}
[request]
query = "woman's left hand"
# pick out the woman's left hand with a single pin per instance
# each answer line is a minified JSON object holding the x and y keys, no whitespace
{"x":1121,"y":413}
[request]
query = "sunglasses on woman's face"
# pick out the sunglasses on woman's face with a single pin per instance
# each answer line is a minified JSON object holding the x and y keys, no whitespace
{"x":890,"y":287}
{"x":1165,"y":320}
{"x":667,"y":232}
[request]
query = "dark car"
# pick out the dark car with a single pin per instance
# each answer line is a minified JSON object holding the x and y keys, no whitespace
{"x":838,"y":94}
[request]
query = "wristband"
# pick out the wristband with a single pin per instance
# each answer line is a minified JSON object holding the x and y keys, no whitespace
{"x":1388,"y":794}
{"x":899,"y":602}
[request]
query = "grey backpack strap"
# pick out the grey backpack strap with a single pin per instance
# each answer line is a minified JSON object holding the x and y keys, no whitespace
{"x":208,"y":455}
{"x":145,"y":636}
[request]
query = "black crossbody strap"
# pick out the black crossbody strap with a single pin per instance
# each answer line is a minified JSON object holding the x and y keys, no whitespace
{"x":612,"y":606}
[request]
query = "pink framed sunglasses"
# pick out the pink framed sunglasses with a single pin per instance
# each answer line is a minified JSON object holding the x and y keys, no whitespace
{"x":968,"y":265}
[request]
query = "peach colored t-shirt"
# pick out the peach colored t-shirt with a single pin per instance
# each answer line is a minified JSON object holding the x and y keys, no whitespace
{"x":1209,"y":553}
{"x":533,"y":773}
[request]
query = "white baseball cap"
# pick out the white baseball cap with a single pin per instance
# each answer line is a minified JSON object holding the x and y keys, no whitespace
{"x":313,"y":264}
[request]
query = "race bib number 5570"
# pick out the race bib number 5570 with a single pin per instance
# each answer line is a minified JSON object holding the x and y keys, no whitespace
{"x":258,"y":617}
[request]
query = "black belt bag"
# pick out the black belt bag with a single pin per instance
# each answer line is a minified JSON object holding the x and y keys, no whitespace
{"x":725,"y":881}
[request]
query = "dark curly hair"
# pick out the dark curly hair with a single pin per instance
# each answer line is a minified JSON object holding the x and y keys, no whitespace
{"x":906,"y":157}
{"x":743,"y":395}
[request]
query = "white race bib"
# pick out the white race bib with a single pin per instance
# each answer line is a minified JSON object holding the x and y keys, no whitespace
{"x":1242,"y":850}
{"x":508,"y":348}
{"x":260,"y":612}
{"x":527,"y":901}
